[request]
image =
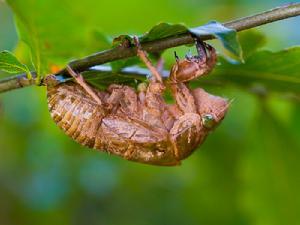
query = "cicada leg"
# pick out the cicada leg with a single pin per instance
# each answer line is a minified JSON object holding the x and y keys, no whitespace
{"x":154,"y":104}
{"x":80,"y":80}
{"x":187,"y":131}
{"x":143,"y":56}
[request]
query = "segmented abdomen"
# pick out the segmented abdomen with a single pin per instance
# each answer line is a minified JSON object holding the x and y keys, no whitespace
{"x":86,"y":122}
{"x":75,"y":112}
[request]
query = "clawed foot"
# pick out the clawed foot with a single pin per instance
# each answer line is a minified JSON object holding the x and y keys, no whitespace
{"x":193,"y":67}
{"x":206,"y":53}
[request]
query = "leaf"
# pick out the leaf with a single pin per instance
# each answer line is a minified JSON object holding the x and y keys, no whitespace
{"x":57,"y":31}
{"x":120,"y":64}
{"x":163,"y":30}
{"x":227,"y":36}
{"x":159,"y":31}
{"x":103,"y":76}
{"x":251,"y":41}
{"x":99,"y":40}
{"x":28,"y":35}
{"x":272,"y":158}
{"x":272,"y":71}
{"x":10,"y":64}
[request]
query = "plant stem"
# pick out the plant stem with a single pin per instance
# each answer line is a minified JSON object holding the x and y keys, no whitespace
{"x":122,"y":52}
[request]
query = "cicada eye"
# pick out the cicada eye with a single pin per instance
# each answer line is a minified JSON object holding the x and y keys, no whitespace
{"x":208,"y":121}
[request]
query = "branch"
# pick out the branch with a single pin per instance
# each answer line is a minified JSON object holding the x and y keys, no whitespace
{"x":21,"y":80}
{"x":122,"y":52}
{"x":17,"y":81}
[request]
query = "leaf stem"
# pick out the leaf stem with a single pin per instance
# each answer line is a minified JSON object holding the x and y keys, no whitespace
{"x":121,"y":52}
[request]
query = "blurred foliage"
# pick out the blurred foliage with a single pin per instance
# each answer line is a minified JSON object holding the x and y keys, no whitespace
{"x":263,"y":70}
{"x":245,"y":173}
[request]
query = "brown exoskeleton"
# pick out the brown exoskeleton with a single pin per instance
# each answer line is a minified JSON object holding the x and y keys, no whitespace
{"x":139,"y":125}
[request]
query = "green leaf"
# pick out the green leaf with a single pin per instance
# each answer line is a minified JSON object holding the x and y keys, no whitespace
{"x":99,"y":40}
{"x":271,"y":71}
{"x":251,"y":41}
{"x":57,"y":31}
{"x":10,"y":64}
{"x":120,"y":64}
{"x":103,"y":78}
{"x":227,"y":36}
{"x":163,"y":30}
{"x":159,"y":31}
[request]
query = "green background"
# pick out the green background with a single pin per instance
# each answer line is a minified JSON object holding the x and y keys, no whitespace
{"x":247,"y":171}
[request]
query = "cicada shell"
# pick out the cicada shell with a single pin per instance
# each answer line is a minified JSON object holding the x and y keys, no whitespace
{"x":139,"y":125}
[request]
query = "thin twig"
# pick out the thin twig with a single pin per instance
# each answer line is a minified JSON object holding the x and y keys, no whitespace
{"x":17,"y":81}
{"x":121,"y":52}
